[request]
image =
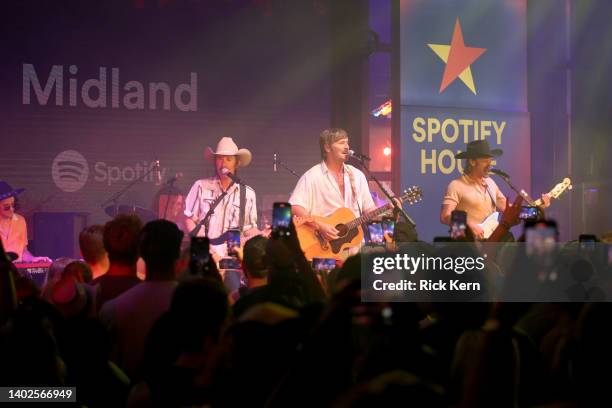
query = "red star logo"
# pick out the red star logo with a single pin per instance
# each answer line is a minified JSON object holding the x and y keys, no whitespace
{"x":458,"y":58}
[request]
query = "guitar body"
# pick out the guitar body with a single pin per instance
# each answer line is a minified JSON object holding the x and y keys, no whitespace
{"x":314,"y":246}
{"x":348,"y":226}
{"x":490,"y":223}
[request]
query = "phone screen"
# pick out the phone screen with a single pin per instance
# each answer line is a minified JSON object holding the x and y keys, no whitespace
{"x":233,"y":240}
{"x":229,"y":263}
{"x":528,"y":213}
{"x":540,"y":238}
{"x":281,"y":218}
{"x":200,"y":249}
{"x":376,"y":233}
{"x":388,"y":226}
{"x":458,"y":224}
{"x":323,"y":264}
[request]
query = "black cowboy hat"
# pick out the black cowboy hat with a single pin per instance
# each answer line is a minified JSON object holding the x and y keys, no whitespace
{"x":478,"y":149}
{"x":7,"y":191}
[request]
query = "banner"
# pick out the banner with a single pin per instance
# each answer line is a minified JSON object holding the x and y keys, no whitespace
{"x":463,"y":78}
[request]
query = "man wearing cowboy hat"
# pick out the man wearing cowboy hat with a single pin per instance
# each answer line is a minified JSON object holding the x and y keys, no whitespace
{"x":13,"y":230}
{"x":227,"y":214}
{"x":474,"y":191}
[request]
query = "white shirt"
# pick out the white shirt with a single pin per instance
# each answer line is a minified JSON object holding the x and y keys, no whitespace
{"x":226,"y":215}
{"x":318,"y":192}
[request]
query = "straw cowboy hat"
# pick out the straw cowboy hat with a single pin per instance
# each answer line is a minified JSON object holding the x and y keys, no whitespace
{"x":7,"y":191}
{"x":478,"y":149}
{"x":227,"y":147}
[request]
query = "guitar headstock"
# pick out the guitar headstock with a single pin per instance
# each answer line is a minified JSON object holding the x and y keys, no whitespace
{"x":566,"y":184}
{"x":412,"y":195}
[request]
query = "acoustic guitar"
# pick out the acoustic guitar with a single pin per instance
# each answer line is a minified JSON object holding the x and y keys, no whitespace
{"x":349,"y":232}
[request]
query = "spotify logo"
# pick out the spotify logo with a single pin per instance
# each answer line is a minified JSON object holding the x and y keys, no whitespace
{"x":70,"y":171}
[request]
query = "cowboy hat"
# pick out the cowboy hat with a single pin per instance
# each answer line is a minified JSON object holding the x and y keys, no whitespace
{"x":227,"y":147}
{"x":7,"y":191}
{"x":478,"y":149}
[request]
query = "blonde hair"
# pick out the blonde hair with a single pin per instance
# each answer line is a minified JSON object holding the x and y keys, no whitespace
{"x":329,"y":137}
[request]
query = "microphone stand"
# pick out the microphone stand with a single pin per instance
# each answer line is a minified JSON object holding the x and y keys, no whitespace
{"x":206,"y":220}
{"x":170,"y":186}
{"x":396,"y":207}
{"x":522,"y":193}
{"x":283,"y":165}
{"x":113,"y":199}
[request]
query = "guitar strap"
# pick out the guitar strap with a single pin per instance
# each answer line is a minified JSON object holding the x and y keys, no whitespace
{"x":353,"y":189}
{"x":242,"y":210}
{"x":493,"y":200}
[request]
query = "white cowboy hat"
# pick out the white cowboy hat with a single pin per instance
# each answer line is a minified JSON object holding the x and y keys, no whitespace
{"x":227,"y":147}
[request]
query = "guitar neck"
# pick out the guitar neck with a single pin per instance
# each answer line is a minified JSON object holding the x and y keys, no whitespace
{"x":365,"y":218}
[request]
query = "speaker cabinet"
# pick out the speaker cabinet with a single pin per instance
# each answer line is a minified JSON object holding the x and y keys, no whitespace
{"x":56,"y":234}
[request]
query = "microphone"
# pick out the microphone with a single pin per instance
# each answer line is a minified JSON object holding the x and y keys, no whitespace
{"x":274,"y":163}
{"x":499,"y":173}
{"x":176,"y":177}
{"x":358,"y":156}
{"x":229,"y":174}
{"x":157,"y":172}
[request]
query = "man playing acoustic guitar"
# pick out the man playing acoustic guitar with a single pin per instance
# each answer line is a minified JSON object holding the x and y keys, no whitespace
{"x":330,"y":185}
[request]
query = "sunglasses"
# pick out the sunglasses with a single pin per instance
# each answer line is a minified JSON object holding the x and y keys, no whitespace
{"x":7,"y":207}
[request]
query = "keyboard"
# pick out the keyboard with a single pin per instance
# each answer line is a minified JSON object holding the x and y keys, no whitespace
{"x":37,"y":271}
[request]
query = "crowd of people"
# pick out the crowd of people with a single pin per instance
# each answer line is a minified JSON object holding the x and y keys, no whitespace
{"x":150,"y":318}
{"x":287,"y":337}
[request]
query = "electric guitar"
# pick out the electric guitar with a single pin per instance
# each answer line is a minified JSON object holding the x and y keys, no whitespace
{"x":349,"y":233}
{"x":492,"y":221}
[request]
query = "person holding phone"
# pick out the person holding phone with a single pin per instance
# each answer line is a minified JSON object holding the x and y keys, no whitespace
{"x":231,"y":211}
{"x":331,"y":184}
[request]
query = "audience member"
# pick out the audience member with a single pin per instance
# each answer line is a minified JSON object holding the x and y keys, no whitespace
{"x":129,"y":316}
{"x":121,"y":243}
{"x":91,"y":242}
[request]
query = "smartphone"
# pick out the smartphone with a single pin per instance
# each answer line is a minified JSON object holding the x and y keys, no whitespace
{"x":200,"y":250}
{"x":229,"y":263}
{"x":376,"y":233}
{"x":528,"y":213}
{"x":388,"y":226}
{"x":587,"y":241}
{"x":458,"y":224}
{"x":233,"y":240}
{"x":540,"y":237}
{"x":281,"y":219}
{"x":323,"y":264}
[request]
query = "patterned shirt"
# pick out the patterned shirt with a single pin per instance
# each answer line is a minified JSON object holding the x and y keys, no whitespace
{"x":227,"y":213}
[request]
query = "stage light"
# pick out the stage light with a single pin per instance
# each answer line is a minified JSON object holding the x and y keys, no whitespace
{"x":387,"y":151}
{"x":383,"y":110}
